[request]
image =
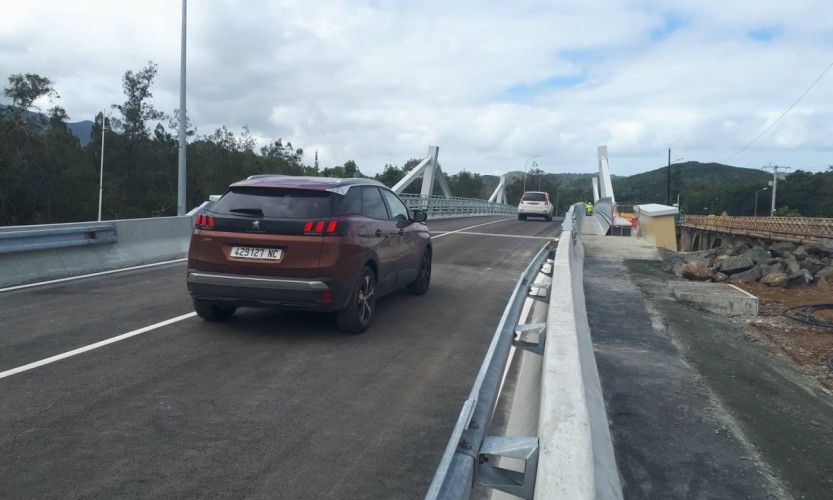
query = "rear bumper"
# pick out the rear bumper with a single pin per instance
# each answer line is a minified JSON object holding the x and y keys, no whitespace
{"x":535,"y":210}
{"x":245,"y":290}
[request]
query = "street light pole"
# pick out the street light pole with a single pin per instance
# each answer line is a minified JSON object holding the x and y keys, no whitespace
{"x":756,"y":199}
{"x":101,"y":169}
{"x":180,"y":193}
{"x":526,"y":163}
{"x":668,"y":180}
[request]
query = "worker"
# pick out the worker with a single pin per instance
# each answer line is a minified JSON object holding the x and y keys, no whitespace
{"x":588,"y":208}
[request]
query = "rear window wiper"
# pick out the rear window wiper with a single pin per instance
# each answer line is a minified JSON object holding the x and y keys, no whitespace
{"x":255,"y":212}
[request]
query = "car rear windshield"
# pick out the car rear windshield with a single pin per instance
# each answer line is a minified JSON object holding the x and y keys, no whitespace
{"x":534,"y":197}
{"x":275,"y":203}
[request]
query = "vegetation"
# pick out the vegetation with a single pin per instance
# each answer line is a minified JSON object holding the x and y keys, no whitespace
{"x":47,"y":175}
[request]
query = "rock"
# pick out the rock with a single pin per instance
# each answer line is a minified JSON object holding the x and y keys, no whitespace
{"x":758,"y":255}
{"x":793,"y":267}
{"x":747,"y":276}
{"x":824,"y":284}
{"x":738,"y":250}
{"x":736,"y":264}
{"x":803,"y":277}
{"x":775,"y":267}
{"x":678,"y":268}
{"x":825,"y":274}
{"x":778,"y":279}
{"x":720,"y":277}
{"x":719,"y":260}
{"x":780,"y":248}
{"x":787,"y":255}
{"x":812,"y":265}
{"x":697,"y":271}
{"x":820,"y":249}
{"x":800,"y":253}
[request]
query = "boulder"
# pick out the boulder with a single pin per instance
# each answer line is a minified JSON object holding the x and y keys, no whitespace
{"x":793,"y":267}
{"x":825,"y":274}
{"x":697,"y":271}
{"x":812,"y":264}
{"x":738,"y":250}
{"x":775,"y":267}
{"x":819,"y":249}
{"x":800,"y":253}
{"x":777,"y":279}
{"x":780,"y":248}
{"x":802,"y":278}
{"x":758,"y":255}
{"x":720,"y":277}
{"x":787,"y":255}
{"x":824,"y":284}
{"x":747,"y":276}
{"x":736,"y":264}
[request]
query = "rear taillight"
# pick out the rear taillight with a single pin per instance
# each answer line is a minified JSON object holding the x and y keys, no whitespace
{"x":204,"y":221}
{"x":322,"y":226}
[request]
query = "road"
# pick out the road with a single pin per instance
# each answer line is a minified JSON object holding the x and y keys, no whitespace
{"x":268,"y":405}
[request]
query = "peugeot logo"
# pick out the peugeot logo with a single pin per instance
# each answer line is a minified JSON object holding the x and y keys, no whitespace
{"x":255,"y":224}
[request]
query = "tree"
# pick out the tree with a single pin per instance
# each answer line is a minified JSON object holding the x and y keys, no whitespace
{"x":25,"y":89}
{"x":137,"y":110}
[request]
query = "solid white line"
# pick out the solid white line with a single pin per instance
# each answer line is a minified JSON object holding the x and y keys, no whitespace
{"x":58,"y":357}
{"x":102,"y":273}
{"x":522,"y":236}
{"x":470,"y":227}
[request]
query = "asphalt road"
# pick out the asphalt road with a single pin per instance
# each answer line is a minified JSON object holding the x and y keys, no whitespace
{"x":268,"y":405}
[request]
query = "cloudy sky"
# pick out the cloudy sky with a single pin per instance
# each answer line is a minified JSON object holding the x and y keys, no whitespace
{"x":491,"y":83}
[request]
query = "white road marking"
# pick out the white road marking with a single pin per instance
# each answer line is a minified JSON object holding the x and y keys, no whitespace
{"x":102,"y":273}
{"x":96,"y":345}
{"x":522,"y":236}
{"x":446,"y":233}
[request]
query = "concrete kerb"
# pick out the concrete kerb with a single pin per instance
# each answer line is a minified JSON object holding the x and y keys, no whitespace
{"x":140,"y":241}
{"x":576,"y":452}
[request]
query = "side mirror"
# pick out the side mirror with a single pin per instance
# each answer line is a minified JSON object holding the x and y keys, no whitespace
{"x":419,"y":216}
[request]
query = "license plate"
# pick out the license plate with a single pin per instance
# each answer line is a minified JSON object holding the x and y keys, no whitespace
{"x":256,"y":253}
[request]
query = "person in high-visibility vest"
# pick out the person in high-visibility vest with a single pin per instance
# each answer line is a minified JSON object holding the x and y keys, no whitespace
{"x":588,"y":208}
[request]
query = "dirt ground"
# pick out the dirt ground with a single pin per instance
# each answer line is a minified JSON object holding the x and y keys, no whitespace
{"x":809,"y":346}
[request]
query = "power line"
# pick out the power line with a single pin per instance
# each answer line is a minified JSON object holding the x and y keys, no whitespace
{"x":791,"y":106}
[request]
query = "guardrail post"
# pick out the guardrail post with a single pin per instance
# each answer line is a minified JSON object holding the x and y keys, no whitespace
{"x":521,"y":484}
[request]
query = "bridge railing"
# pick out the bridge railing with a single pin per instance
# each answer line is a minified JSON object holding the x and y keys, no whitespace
{"x":455,"y":206}
{"x":561,"y":439}
{"x":788,"y":228}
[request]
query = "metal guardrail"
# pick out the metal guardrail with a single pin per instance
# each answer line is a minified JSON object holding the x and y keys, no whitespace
{"x":440,"y":206}
{"x":26,"y":239}
{"x":462,"y":462}
{"x":788,"y":228}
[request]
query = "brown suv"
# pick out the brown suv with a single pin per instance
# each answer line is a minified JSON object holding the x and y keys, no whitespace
{"x":311,"y":243}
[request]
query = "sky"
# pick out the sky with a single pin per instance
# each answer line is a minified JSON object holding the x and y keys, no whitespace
{"x":491,"y":83}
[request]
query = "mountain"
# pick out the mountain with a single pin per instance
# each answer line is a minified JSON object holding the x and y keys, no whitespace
{"x":81,"y":130}
{"x":651,"y":186}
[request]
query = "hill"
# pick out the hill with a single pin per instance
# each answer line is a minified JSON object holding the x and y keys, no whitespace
{"x":81,"y":130}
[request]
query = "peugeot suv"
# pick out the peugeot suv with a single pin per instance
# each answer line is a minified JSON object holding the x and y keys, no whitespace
{"x":535,"y":203}
{"x":308,"y":243}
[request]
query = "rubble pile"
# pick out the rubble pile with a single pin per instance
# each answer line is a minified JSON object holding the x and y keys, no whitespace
{"x":778,"y":265}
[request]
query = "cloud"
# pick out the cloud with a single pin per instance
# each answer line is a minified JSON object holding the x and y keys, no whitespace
{"x":491,"y":83}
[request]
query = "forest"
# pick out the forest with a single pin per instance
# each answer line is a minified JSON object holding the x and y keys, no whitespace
{"x":48,"y":176}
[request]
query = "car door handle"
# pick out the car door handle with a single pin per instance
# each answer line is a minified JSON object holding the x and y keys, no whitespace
{"x":379,"y":233}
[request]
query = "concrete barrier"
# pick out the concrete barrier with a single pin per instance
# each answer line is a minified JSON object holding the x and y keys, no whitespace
{"x":576,"y":452}
{"x":137,"y":242}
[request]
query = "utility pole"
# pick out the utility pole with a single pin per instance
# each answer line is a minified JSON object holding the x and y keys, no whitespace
{"x":775,"y":175}
{"x":668,"y":184}
{"x":180,"y":192}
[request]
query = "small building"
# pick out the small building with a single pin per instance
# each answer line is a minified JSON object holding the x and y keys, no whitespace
{"x":656,"y":224}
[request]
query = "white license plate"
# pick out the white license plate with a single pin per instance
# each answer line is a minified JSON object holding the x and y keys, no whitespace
{"x":256,"y":253}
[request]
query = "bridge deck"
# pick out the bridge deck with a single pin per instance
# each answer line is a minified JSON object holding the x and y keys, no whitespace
{"x":270,"y":404}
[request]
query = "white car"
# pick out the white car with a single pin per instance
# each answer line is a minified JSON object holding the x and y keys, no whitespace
{"x":535,"y":203}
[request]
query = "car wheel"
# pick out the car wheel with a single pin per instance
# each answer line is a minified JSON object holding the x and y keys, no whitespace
{"x":420,"y":285}
{"x":548,"y":218}
{"x":355,"y":318}
{"x":212,"y":311}
{"x":521,"y":217}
